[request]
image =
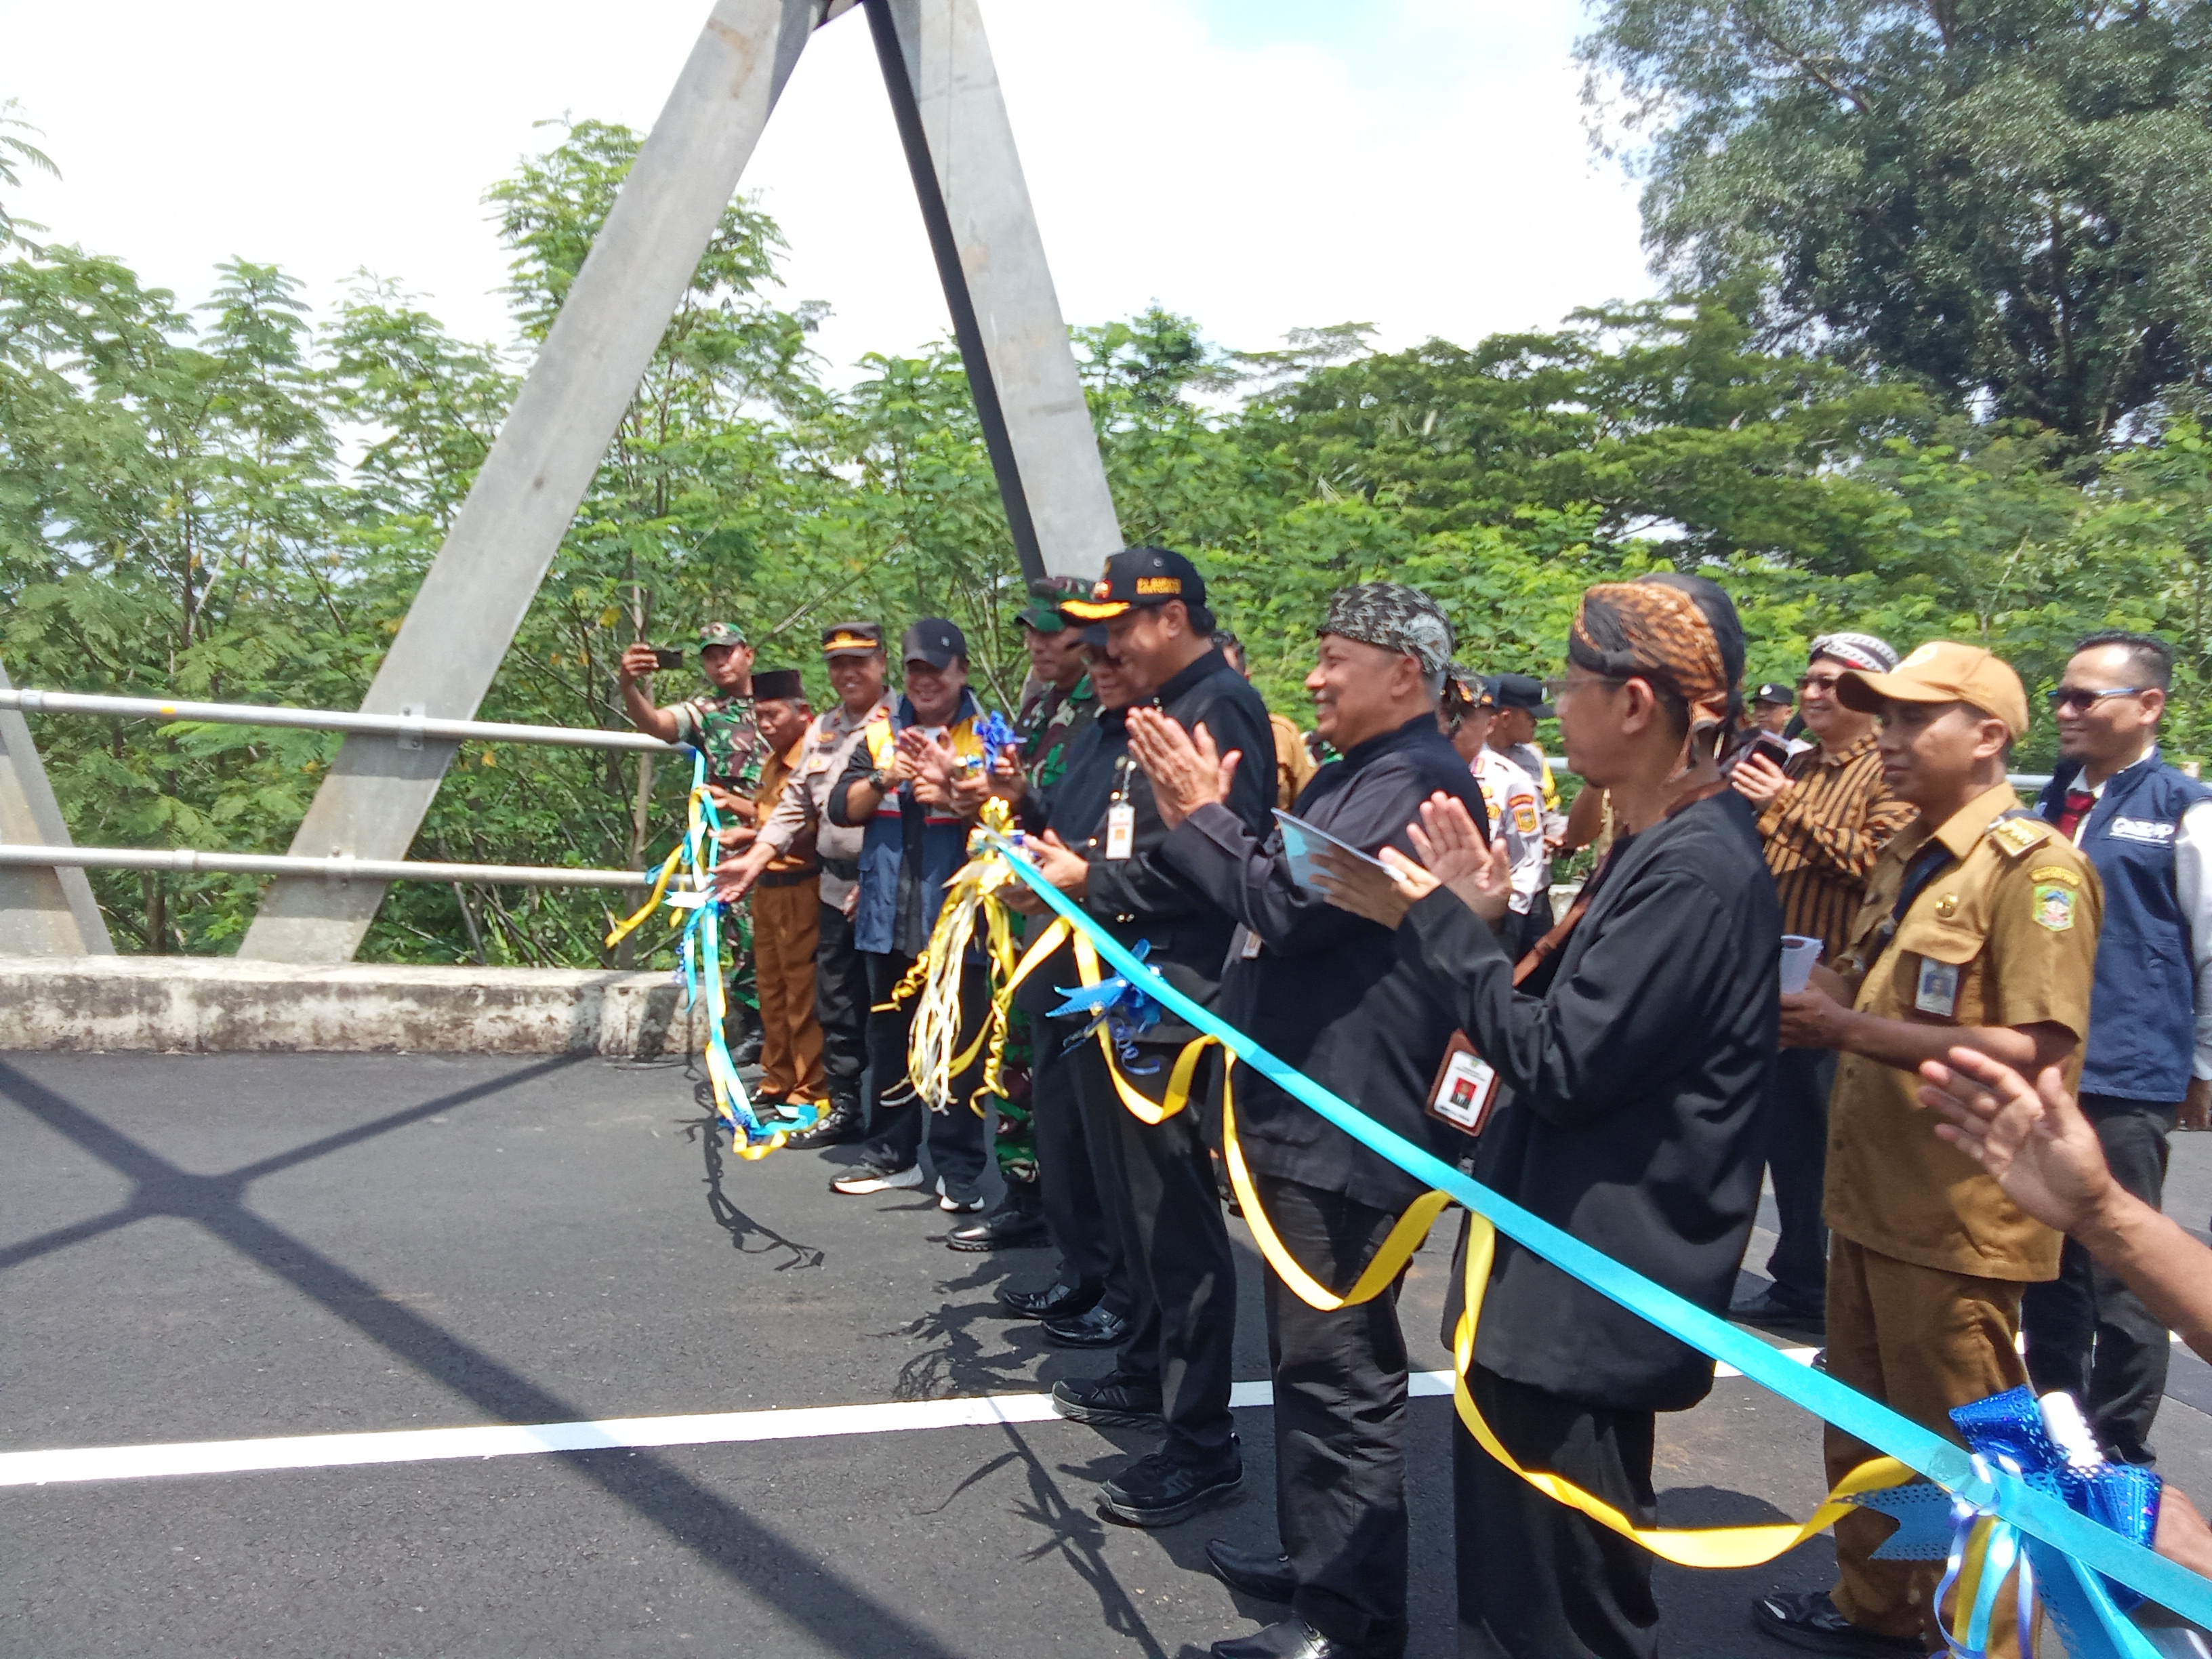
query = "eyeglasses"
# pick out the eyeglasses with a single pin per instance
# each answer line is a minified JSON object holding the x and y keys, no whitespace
{"x":1819,"y":682}
{"x":2077,"y":697}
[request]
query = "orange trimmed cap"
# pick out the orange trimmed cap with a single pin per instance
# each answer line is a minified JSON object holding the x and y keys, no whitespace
{"x":1138,"y":578}
{"x":1942,"y":671}
{"x":839,"y":638}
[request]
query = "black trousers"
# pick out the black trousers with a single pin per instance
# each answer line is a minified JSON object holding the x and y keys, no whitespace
{"x":1795,"y":1116}
{"x":841,"y":1006}
{"x":2086,"y":1330}
{"x":1339,"y":1424}
{"x":1156,"y":1186}
{"x":1069,"y":1165}
{"x":1537,"y":1580}
{"x":957,"y":1137}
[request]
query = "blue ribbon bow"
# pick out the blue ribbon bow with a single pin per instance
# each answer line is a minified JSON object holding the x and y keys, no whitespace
{"x":2006,"y":1431}
{"x":1122,"y":1008}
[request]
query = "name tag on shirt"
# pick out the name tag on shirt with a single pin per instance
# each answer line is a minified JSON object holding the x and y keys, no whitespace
{"x":1244,"y":944}
{"x":1937,"y":991}
{"x":1466,"y":1088}
{"x":1121,"y":830}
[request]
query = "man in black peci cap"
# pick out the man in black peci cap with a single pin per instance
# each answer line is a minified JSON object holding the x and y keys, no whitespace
{"x":1155,"y":1176}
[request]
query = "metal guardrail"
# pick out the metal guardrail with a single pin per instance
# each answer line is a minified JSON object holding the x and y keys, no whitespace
{"x":337,"y":869}
{"x":410,"y":729}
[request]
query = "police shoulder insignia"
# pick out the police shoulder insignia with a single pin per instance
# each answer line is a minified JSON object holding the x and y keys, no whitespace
{"x":2055,"y":873}
{"x":1524,"y":817}
{"x":2054,"y":906}
{"x":2017,"y":836}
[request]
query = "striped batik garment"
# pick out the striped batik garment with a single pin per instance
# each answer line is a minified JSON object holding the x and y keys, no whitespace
{"x":1823,"y":836}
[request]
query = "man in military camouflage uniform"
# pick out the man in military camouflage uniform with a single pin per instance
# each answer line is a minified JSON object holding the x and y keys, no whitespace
{"x":1058,"y":704}
{"x":721,"y":725}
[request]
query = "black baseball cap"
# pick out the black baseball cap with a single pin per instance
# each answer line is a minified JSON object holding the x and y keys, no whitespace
{"x":839,"y":638}
{"x":935,"y":641}
{"x":1776,"y":693}
{"x":1522,"y":691}
{"x":779,"y":684}
{"x":1139,"y":578}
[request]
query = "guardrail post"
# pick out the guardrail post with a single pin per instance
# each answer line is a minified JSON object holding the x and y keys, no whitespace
{"x":1006,"y":315}
{"x":43,"y":912}
{"x":466,"y":615}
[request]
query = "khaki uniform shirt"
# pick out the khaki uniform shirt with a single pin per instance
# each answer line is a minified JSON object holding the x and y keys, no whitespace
{"x":821,"y":756}
{"x":776,"y":773}
{"x":2005,"y":934}
{"x":1294,"y":762}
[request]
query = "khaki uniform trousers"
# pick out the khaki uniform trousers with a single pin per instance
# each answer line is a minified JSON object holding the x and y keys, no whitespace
{"x":786,"y":930}
{"x":1921,"y":1341}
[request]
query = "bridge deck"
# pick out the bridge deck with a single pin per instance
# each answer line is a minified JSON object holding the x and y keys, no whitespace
{"x":257,"y":1249}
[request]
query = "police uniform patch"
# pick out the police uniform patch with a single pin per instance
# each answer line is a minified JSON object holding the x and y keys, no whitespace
{"x":2054,"y":906}
{"x":1524,"y":817}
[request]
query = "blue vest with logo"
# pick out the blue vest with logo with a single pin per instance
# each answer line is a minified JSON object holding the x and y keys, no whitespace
{"x":884,"y":852}
{"x":2142,"y":1013}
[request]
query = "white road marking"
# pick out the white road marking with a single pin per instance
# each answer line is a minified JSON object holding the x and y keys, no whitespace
{"x":327,"y":1451}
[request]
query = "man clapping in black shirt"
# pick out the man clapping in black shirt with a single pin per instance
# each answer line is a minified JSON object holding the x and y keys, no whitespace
{"x":1328,"y":991}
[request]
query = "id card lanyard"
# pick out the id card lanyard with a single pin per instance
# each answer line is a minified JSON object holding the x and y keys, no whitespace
{"x":1121,"y":816}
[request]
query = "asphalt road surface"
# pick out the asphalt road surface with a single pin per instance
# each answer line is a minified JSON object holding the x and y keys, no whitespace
{"x":202,"y":1251}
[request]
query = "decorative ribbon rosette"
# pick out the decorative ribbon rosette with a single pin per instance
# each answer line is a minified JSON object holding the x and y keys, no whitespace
{"x":699,"y":963}
{"x":1120,"y":1008}
{"x":2048,"y":1448}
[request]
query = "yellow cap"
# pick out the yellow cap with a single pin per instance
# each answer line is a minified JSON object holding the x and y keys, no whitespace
{"x":1942,"y":671}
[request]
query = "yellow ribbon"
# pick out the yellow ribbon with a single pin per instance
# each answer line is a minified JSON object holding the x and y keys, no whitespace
{"x":1180,"y":1075}
{"x":1699,"y":1546}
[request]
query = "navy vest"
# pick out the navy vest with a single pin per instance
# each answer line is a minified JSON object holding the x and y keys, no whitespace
{"x":2142,"y":1013}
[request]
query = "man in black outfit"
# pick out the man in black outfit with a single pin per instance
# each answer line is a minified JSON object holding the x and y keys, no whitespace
{"x":1328,"y":993}
{"x":1635,"y":1058}
{"x":1156,"y":1179}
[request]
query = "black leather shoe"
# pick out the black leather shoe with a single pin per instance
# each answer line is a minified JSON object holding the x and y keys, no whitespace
{"x":1010,"y":1227}
{"x":1810,"y":1620}
{"x":1771,"y":1306}
{"x":1111,"y":1401}
{"x":1294,"y":1638}
{"x":1264,"y":1577}
{"x":841,"y":1124}
{"x":1054,"y":1302}
{"x":1095,"y":1328}
{"x":1159,"y":1489}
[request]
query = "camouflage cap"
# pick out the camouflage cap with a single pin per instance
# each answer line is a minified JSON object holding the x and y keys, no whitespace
{"x":721,"y":632}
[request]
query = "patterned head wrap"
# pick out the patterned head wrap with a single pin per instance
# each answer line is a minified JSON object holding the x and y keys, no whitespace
{"x":1395,"y":617}
{"x":1655,"y":631}
{"x":1860,"y":651}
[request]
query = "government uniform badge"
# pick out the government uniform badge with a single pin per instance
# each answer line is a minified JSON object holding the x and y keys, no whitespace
{"x":2054,"y":906}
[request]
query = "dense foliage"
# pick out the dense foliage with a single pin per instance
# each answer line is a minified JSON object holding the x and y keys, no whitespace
{"x":237,"y":504}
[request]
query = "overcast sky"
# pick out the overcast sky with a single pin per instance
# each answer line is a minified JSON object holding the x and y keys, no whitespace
{"x":1256,"y":164}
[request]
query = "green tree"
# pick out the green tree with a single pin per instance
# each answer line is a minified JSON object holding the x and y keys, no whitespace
{"x":2011,"y":201}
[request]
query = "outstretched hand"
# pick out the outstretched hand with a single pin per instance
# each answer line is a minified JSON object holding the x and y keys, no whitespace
{"x":1186,"y":770}
{"x":1479,"y":872}
{"x":2034,"y":1141}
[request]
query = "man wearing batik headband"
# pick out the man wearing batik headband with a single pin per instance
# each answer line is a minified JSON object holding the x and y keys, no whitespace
{"x":1632,"y":1055}
{"x":1330,"y":994}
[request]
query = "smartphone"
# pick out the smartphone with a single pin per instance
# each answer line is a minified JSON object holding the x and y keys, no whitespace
{"x":667,"y":656}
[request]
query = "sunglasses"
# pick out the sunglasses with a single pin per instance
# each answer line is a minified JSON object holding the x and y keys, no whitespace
{"x":2076,"y":696}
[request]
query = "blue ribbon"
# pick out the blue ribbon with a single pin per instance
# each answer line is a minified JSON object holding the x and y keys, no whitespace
{"x":2041,"y":1516}
{"x":1122,"y":1008}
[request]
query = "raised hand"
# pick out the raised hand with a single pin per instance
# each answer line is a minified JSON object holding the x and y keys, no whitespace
{"x":1186,"y":770}
{"x":2034,"y":1142}
{"x":1480,"y":873}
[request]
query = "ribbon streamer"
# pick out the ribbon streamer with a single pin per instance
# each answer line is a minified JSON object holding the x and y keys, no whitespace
{"x":699,"y":966}
{"x":2086,"y":1545}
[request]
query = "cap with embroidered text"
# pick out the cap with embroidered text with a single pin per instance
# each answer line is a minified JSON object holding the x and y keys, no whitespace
{"x":1139,"y":578}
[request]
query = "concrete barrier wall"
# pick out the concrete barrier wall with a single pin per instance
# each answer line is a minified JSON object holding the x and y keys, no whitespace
{"x":218,"y":1004}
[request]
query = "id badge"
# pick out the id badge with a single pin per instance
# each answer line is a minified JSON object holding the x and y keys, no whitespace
{"x":1466,"y":1088}
{"x":1121,"y":830}
{"x":1244,"y":944}
{"x":1937,"y":993}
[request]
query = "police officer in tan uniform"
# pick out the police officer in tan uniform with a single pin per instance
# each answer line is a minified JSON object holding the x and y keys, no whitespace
{"x":1979,"y":928}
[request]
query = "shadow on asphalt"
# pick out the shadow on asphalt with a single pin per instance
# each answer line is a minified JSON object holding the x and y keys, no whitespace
{"x":837,"y":1612}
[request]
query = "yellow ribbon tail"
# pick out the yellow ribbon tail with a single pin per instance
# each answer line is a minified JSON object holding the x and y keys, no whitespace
{"x":624,"y":929}
{"x":1180,"y":1076}
{"x":1697,"y":1546}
